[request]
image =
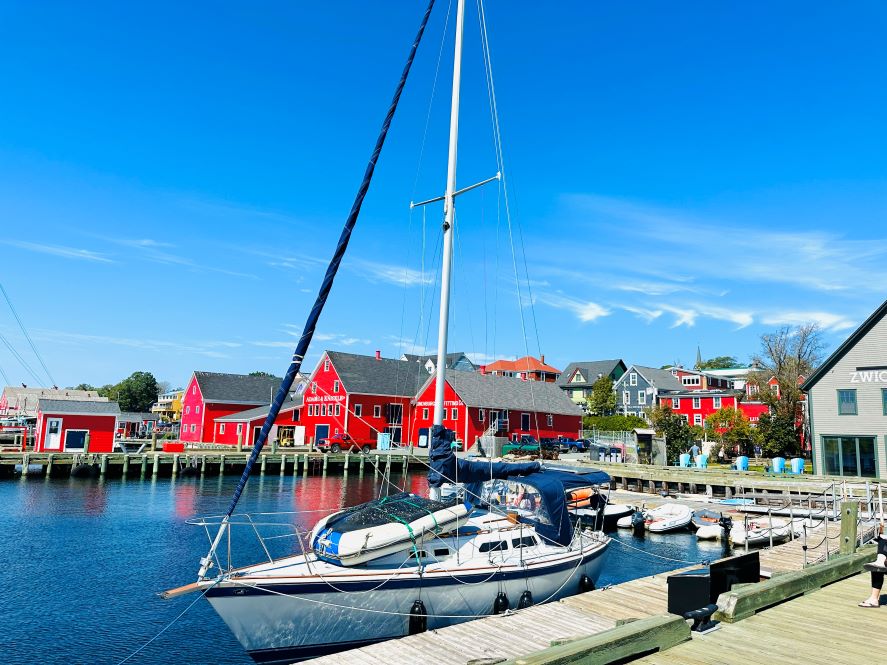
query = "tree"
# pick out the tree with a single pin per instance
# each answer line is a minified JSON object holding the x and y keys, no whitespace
{"x":137,"y":392}
{"x":84,"y":386}
{"x":675,"y":429}
{"x":602,"y":401}
{"x":718,"y":362}
{"x":261,"y":373}
{"x":733,"y":429}
{"x":778,"y":435}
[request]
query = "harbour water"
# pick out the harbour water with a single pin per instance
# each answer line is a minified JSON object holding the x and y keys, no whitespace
{"x":82,"y":561}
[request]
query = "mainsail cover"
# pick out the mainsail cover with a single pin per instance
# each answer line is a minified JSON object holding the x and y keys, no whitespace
{"x":447,"y":468}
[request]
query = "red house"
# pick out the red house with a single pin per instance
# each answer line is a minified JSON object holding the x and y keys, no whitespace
{"x":477,"y":404}
{"x":63,"y":426}
{"x":693,"y":379}
{"x":361,"y":395}
{"x":246,"y":425}
{"x":697,"y":405}
{"x":527,"y":368}
{"x":210,"y":395}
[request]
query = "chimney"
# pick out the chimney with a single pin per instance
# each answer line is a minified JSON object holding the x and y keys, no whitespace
{"x":483,"y":369}
{"x":542,"y":358}
{"x":378,"y":355}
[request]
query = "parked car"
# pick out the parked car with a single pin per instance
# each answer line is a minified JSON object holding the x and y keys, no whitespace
{"x":344,"y":441}
{"x":525,"y":445}
{"x":549,"y":443}
{"x":572,"y":445}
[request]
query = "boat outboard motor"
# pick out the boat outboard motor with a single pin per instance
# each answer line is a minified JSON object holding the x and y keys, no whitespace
{"x":726,"y":523}
{"x":418,"y":618}
{"x":526,"y":600}
{"x":638,"y":523}
{"x":500,"y":605}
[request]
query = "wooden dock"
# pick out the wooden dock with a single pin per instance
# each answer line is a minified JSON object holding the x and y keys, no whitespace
{"x":205,"y":462}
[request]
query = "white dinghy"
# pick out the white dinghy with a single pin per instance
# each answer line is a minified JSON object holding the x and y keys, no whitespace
{"x":763,"y":531}
{"x":668,"y":517}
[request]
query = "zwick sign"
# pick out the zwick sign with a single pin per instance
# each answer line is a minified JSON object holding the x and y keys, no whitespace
{"x":878,"y":375}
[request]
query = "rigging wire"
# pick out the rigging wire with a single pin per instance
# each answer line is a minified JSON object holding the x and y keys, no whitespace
{"x":27,"y":336}
{"x":21,"y":360}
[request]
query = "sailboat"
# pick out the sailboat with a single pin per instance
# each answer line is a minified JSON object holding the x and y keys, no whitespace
{"x":406,"y":563}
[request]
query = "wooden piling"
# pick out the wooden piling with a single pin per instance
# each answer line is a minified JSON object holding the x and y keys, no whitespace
{"x":282,"y":464}
{"x":240,"y":443}
{"x":86,"y":443}
{"x":849,"y":514}
{"x":175,"y":465}
{"x":144,"y":466}
{"x":156,"y":467}
{"x":25,"y":463}
{"x":362,"y":461}
{"x":221,"y":465}
{"x":305,"y":467}
{"x":326,"y":459}
{"x":153,"y":442}
{"x":406,"y":464}
{"x":49,"y":466}
{"x":262,"y":466}
{"x":347,"y":459}
{"x":125,"y":465}
{"x":203,"y":465}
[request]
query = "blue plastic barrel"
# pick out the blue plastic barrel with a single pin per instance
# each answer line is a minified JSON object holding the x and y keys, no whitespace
{"x":702,"y":461}
{"x":684,"y":460}
{"x":798,"y":465}
{"x":742,"y":463}
{"x":778,"y":465}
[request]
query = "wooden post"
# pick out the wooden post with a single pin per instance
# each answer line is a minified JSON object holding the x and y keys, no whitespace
{"x":25,"y":461}
{"x":282,"y":464}
{"x":305,"y":468}
{"x":103,"y":469}
{"x":240,"y":443}
{"x":154,"y":441}
{"x":203,"y":465}
{"x":156,"y":467}
{"x":326,"y":458}
{"x":221,"y":465}
{"x":144,"y":468}
{"x":175,"y":465}
{"x":849,"y":513}
{"x":86,"y":443}
{"x":262,"y":467}
{"x":274,"y":446}
{"x":125,"y":464}
{"x":347,"y":460}
{"x":406,"y":463}
{"x":362,"y":461}
{"x":49,"y":466}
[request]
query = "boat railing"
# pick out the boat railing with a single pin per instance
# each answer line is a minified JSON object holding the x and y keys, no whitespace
{"x":248,"y":531}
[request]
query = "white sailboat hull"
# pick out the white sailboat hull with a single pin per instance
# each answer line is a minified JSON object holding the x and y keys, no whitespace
{"x":287,"y":619}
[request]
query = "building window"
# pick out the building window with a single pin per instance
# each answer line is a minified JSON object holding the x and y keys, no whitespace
{"x":338,"y":410}
{"x":455,"y":414}
{"x":425,"y":414}
{"x":323,"y":409}
{"x":525,"y":421}
{"x":675,"y":403}
{"x":221,"y":428}
{"x":549,"y":420}
{"x":377,"y":411}
{"x":633,"y":379}
{"x":884,"y":400}
{"x":239,"y":429}
{"x":193,"y":428}
{"x":847,"y":402}
{"x":481,"y":415}
{"x":697,"y":418}
{"x":626,"y":397}
{"x":358,"y":410}
{"x":314,"y":387}
{"x":716,"y":402}
{"x":193,"y":390}
{"x":697,"y":402}
{"x":326,"y":365}
{"x":690,"y":380}
{"x":335,"y":386}
{"x":197,"y":409}
{"x":849,"y":456}
{"x":642,"y":396}
{"x":187,"y":410}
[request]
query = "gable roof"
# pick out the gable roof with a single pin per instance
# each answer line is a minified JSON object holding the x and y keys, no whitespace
{"x":378,"y":376}
{"x":237,"y":388}
{"x":525,"y":364}
{"x":259,"y":411}
{"x":590,"y":370}
{"x":23,"y":401}
{"x":78,"y":406}
{"x":452,"y":358}
{"x":848,"y":344}
{"x":136,"y":416}
{"x":487,"y":391}
{"x":660,"y":378}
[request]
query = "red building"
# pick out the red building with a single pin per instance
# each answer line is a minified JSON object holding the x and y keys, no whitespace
{"x":477,"y":404}
{"x":210,"y":395}
{"x":66,"y":425}
{"x":527,"y":368}
{"x":693,"y":379}
{"x":696,"y":405}
{"x":246,"y":425}
{"x":132,"y":424}
{"x":361,"y":395}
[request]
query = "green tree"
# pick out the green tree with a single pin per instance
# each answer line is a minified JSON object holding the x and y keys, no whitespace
{"x":615,"y":423}
{"x":718,"y":362}
{"x":84,"y":386}
{"x":261,"y":373}
{"x":674,"y":427}
{"x":778,"y":435}
{"x":137,"y":392}
{"x":108,"y":390}
{"x":602,"y":401}
{"x":733,"y":429}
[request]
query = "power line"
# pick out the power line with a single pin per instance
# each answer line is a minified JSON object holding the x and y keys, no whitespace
{"x":27,"y":337}
{"x":20,"y":359}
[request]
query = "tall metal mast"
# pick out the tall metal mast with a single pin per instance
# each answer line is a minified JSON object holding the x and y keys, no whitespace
{"x":449,"y":220}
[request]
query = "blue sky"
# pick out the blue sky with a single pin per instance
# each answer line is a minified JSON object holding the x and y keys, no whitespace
{"x":173,"y":177}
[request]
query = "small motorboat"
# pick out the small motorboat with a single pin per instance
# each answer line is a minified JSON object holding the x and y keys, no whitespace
{"x":710,"y":525}
{"x":613,"y":512}
{"x":758,"y":532}
{"x":668,"y":517}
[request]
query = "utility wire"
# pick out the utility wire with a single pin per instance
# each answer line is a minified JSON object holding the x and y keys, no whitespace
{"x":27,"y":336}
{"x":21,"y":360}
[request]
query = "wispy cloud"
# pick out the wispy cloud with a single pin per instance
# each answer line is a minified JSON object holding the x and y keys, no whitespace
{"x":60,"y":250}
{"x":648,"y":315}
{"x":208,"y":349}
{"x":826,"y":320}
{"x":683,"y":316}
{"x":157,"y":251}
{"x":393,"y":274}
{"x":585,"y":310}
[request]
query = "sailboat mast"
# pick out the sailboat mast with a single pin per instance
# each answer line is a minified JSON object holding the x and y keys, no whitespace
{"x":449,"y":220}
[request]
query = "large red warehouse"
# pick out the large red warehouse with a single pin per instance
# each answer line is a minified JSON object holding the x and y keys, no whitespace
{"x":246,"y":425}
{"x":64,"y":425}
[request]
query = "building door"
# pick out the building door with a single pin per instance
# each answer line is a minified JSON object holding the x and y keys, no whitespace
{"x":525,"y":422}
{"x":256,"y":431}
{"x":75,"y":439}
{"x":395,"y":422}
{"x":321,"y":432}
{"x":53,"y":434}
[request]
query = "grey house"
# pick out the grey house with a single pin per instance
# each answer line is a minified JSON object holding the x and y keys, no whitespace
{"x":578,"y":378}
{"x":847,"y":404}
{"x":457,"y":360}
{"x":640,"y":388}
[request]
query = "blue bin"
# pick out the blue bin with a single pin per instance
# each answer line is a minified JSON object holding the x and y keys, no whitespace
{"x":684,"y":460}
{"x":742,"y":463}
{"x":798,"y":465}
{"x":778,"y":465}
{"x":702,"y":461}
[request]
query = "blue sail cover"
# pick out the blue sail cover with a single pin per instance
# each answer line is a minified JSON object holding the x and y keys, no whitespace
{"x":447,"y":468}
{"x":552,"y":485}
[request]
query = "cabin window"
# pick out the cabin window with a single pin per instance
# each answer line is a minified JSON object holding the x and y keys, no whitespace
{"x":326,"y":365}
{"x":697,"y":402}
{"x":481,"y":414}
{"x":455,"y":414}
{"x":642,"y":396}
{"x":633,"y":379}
{"x":675,"y":403}
{"x":526,"y":541}
{"x":358,"y":410}
{"x":323,"y":409}
{"x":221,"y":428}
{"x":549,"y":420}
{"x":493,"y":546}
{"x":418,"y":554}
{"x":335,"y":386}
{"x":442,"y":551}
{"x":377,"y":411}
{"x":847,"y":403}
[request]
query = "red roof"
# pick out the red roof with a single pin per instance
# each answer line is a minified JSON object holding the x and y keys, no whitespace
{"x":525,"y":364}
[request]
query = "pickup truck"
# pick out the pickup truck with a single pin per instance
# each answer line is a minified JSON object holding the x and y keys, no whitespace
{"x":525,"y":445}
{"x":339,"y":442}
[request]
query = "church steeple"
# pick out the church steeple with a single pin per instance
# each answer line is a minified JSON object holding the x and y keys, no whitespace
{"x":698,"y":357}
